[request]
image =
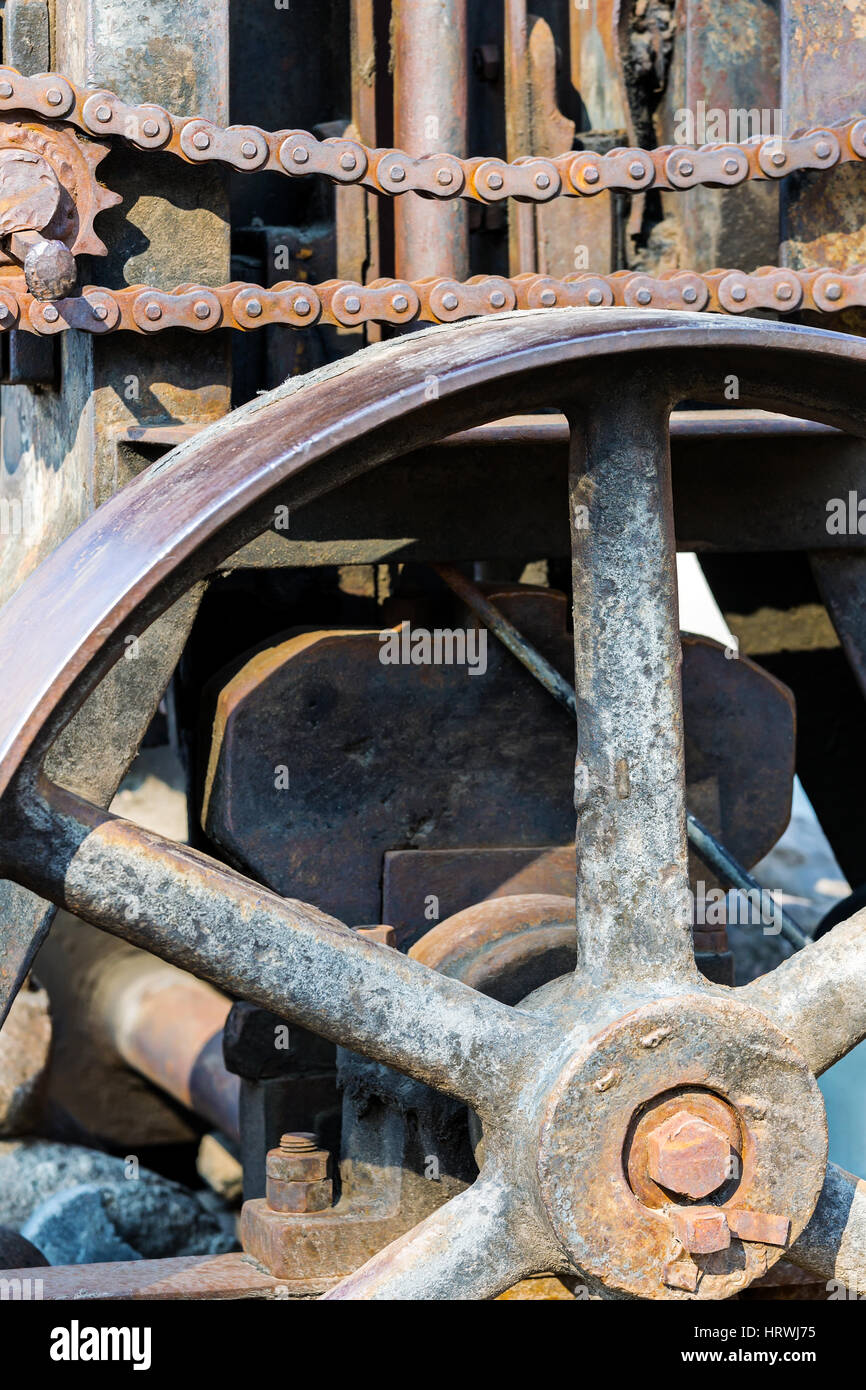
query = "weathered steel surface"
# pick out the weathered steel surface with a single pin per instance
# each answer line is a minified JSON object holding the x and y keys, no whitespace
{"x":321,"y":703}
{"x":505,"y":948}
{"x":429,"y":58}
{"x":579,"y":1058}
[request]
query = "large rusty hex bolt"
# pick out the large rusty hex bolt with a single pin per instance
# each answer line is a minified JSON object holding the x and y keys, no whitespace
{"x":297,"y":1175}
{"x":687,"y":1155}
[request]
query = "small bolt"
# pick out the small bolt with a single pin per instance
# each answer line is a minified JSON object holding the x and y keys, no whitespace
{"x":353,"y":304}
{"x":103,"y":113}
{"x":450,"y":300}
{"x":688,"y":1155}
{"x":151,"y":128}
{"x":595,"y":297}
{"x":54,"y":96}
{"x":497,"y":299}
{"x":153,"y":311}
{"x":445,"y":176}
{"x":300,"y":155}
{"x":302,"y":306}
{"x":99,"y":311}
{"x":348,"y":160}
{"x":644,"y":296}
{"x":254,"y":308}
{"x":690,"y":294}
{"x":548,"y":298}
{"x":686,"y":168}
{"x":495,"y":180}
{"x":400,"y":303}
{"x":738,"y":293}
{"x":784,"y":292}
{"x":778,"y":157}
{"x":249,"y":149}
{"x":202,"y":310}
{"x":542,"y":180}
{"x":398,"y":173}
{"x":730,"y":166}
{"x":51,"y":313}
{"x":833,"y":291}
{"x":201,"y":140}
{"x":591,"y":174}
{"x":636,"y":170}
{"x":6,"y":89}
{"x":823,"y":149}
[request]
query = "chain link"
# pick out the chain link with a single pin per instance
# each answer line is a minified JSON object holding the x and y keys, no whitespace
{"x":298,"y":153}
{"x":240,"y":305}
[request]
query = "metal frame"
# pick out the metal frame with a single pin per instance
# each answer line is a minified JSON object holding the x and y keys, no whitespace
{"x":558,"y":1082}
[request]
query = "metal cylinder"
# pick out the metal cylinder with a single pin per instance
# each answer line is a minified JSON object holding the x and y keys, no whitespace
{"x":168,"y":1027}
{"x":428,"y":41}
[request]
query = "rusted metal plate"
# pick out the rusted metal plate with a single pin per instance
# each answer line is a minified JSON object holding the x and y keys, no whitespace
{"x":387,"y":757}
{"x":392,"y":760}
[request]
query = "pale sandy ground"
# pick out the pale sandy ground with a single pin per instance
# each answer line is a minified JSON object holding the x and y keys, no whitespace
{"x":801,"y":869}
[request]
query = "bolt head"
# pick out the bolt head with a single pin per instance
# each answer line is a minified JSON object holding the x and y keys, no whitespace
{"x":6,"y":90}
{"x":348,"y":161}
{"x":297,"y":1167}
{"x":644,"y":296}
{"x":249,"y":149}
{"x":495,"y":180}
{"x":103,"y":113}
{"x":153,"y":311}
{"x":254,"y":308}
{"x":398,"y":173}
{"x":450,"y":301}
{"x":595,"y":297}
{"x":302,"y":306}
{"x":591,"y":174}
{"x":730,"y":166}
{"x":353,"y":304}
{"x":202,"y":310}
{"x":497,"y":299}
{"x":778,"y":157}
{"x":54,"y":96}
{"x":688,"y":1156}
{"x":99,"y":312}
{"x":548,"y":298}
{"x":823,"y":149}
{"x":784,"y":291}
{"x":445,"y":176}
{"x":300,"y":155}
{"x":151,"y":128}
{"x":201,"y":140}
{"x":636,"y":170}
{"x":542,"y":180}
{"x":686,"y":168}
{"x":690,"y":294}
{"x":738,"y":293}
{"x":51,"y":313}
{"x":400,"y":303}
{"x":833,"y":291}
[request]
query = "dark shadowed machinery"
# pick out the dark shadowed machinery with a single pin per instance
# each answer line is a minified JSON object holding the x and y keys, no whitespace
{"x":365,"y":365}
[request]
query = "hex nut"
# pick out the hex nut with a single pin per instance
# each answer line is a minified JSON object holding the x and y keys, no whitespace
{"x":297,"y":1167}
{"x":298,"y":1197}
{"x":688,"y":1156}
{"x":700,"y":1230}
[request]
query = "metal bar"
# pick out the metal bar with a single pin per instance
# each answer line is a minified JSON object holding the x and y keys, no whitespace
{"x":633,"y":908}
{"x":430,"y":109}
{"x":283,"y":955}
{"x":833,"y":1244}
{"x":703,"y":842}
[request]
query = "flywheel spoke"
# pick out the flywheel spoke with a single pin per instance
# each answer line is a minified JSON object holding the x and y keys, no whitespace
{"x":833,"y":1244}
{"x":633,"y":920}
{"x":284,"y":955}
{"x":817,"y":997}
{"x":475,"y":1246}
